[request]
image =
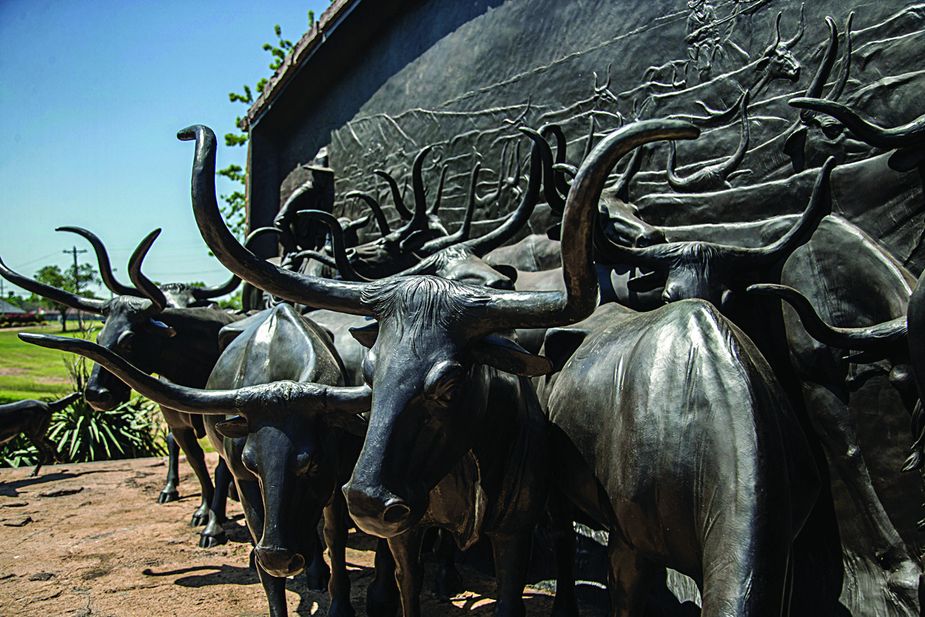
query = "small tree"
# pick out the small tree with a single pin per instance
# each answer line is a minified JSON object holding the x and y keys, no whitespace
{"x":236,"y":202}
{"x":53,"y":276}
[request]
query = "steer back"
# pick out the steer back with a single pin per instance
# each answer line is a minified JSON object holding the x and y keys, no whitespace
{"x":676,"y":436}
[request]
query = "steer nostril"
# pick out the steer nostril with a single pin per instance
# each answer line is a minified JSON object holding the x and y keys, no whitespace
{"x":395,"y":512}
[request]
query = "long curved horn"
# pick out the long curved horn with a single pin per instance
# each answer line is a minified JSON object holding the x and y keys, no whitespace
{"x":733,"y":162}
{"x":865,"y":129}
{"x":589,"y":144}
{"x":845,"y":69}
{"x":436,"y":207}
{"x":915,"y":319}
{"x":800,"y":29}
{"x":820,"y":205}
{"x":825,"y":68}
{"x":776,"y":36}
{"x":376,"y":209}
{"x":341,"y":296}
{"x":622,"y":188}
{"x":462,"y":233}
{"x":249,"y":400}
{"x":181,"y":398}
{"x":318,"y":256}
{"x":145,"y":285}
{"x":507,"y":230}
{"x":338,"y":246}
{"x":397,"y":199}
{"x":90,"y":305}
{"x":560,"y":183}
{"x":553,"y":191}
{"x":868,"y":338}
{"x":548,"y":309}
{"x":102,"y":258}
{"x":207,"y":293}
{"x":419,"y":218}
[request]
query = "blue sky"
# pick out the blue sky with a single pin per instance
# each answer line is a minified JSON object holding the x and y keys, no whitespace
{"x":92,"y":94}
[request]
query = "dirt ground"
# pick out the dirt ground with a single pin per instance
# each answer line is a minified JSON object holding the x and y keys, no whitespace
{"x":90,"y":539}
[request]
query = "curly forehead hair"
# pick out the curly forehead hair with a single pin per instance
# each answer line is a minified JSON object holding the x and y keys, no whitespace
{"x":419,"y":302}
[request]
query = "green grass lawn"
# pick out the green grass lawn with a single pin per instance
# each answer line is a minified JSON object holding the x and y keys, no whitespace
{"x":29,"y":371}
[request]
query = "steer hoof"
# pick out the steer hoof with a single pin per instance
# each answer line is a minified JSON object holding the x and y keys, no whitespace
{"x":341,"y":608}
{"x":447,"y":584}
{"x":212,"y":540}
{"x":316,"y":577}
{"x":382,"y":599}
{"x":168,"y":496}
{"x":200,"y":517}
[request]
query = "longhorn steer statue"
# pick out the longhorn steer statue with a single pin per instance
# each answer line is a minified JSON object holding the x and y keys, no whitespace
{"x":177,"y":295}
{"x":178,"y":343}
{"x":673,"y":434}
{"x":285,"y":442}
{"x":31,"y":417}
{"x":846,"y":273}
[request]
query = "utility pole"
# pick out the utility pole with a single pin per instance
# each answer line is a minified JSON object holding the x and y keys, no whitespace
{"x":74,"y":251}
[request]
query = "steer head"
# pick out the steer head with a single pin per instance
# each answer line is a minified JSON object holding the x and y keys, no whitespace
{"x":288,"y":437}
{"x":133,"y":327}
{"x":898,"y":341}
{"x":908,"y":139}
{"x":434,"y":337}
{"x":777,"y":60}
{"x":427,"y":352}
{"x":708,"y":270}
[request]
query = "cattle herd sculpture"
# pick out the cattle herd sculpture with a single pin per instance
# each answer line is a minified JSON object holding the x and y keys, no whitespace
{"x":642,"y":380}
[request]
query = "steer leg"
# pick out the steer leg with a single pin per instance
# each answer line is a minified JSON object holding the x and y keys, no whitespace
{"x":563,"y":539}
{"x":214,"y":534}
{"x":335,"y":536}
{"x":186,"y":438}
{"x":317,"y":573}
{"x":170,"y":492}
{"x":406,"y":549}
{"x":876,"y":533}
{"x":630,"y":579}
{"x":448,"y":582}
{"x":47,"y":453}
{"x":512,"y":558}
{"x":275,"y":588}
{"x":382,"y":594}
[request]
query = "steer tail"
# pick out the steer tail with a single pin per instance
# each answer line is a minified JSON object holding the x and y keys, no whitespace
{"x":63,"y":402}
{"x":759,"y":583}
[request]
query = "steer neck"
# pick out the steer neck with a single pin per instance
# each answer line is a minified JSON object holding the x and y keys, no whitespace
{"x":188,"y":357}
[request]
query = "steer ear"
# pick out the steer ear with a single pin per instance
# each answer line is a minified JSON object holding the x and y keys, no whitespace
{"x":641,"y":283}
{"x":506,"y":355}
{"x":159,"y":327}
{"x":366,"y":335}
{"x":233,"y":428}
{"x":561,"y":343}
{"x":508,"y":271}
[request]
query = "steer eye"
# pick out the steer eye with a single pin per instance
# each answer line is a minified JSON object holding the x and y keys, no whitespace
{"x":306,"y":464}
{"x":442,"y":382}
{"x":125,"y":341}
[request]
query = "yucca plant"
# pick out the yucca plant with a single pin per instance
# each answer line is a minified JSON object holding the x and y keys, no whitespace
{"x":82,"y":434}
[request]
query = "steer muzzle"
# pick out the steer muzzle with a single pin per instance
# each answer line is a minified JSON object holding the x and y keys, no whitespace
{"x":378,"y":511}
{"x":279,"y":562}
{"x":100,"y":398}
{"x":104,"y":392}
